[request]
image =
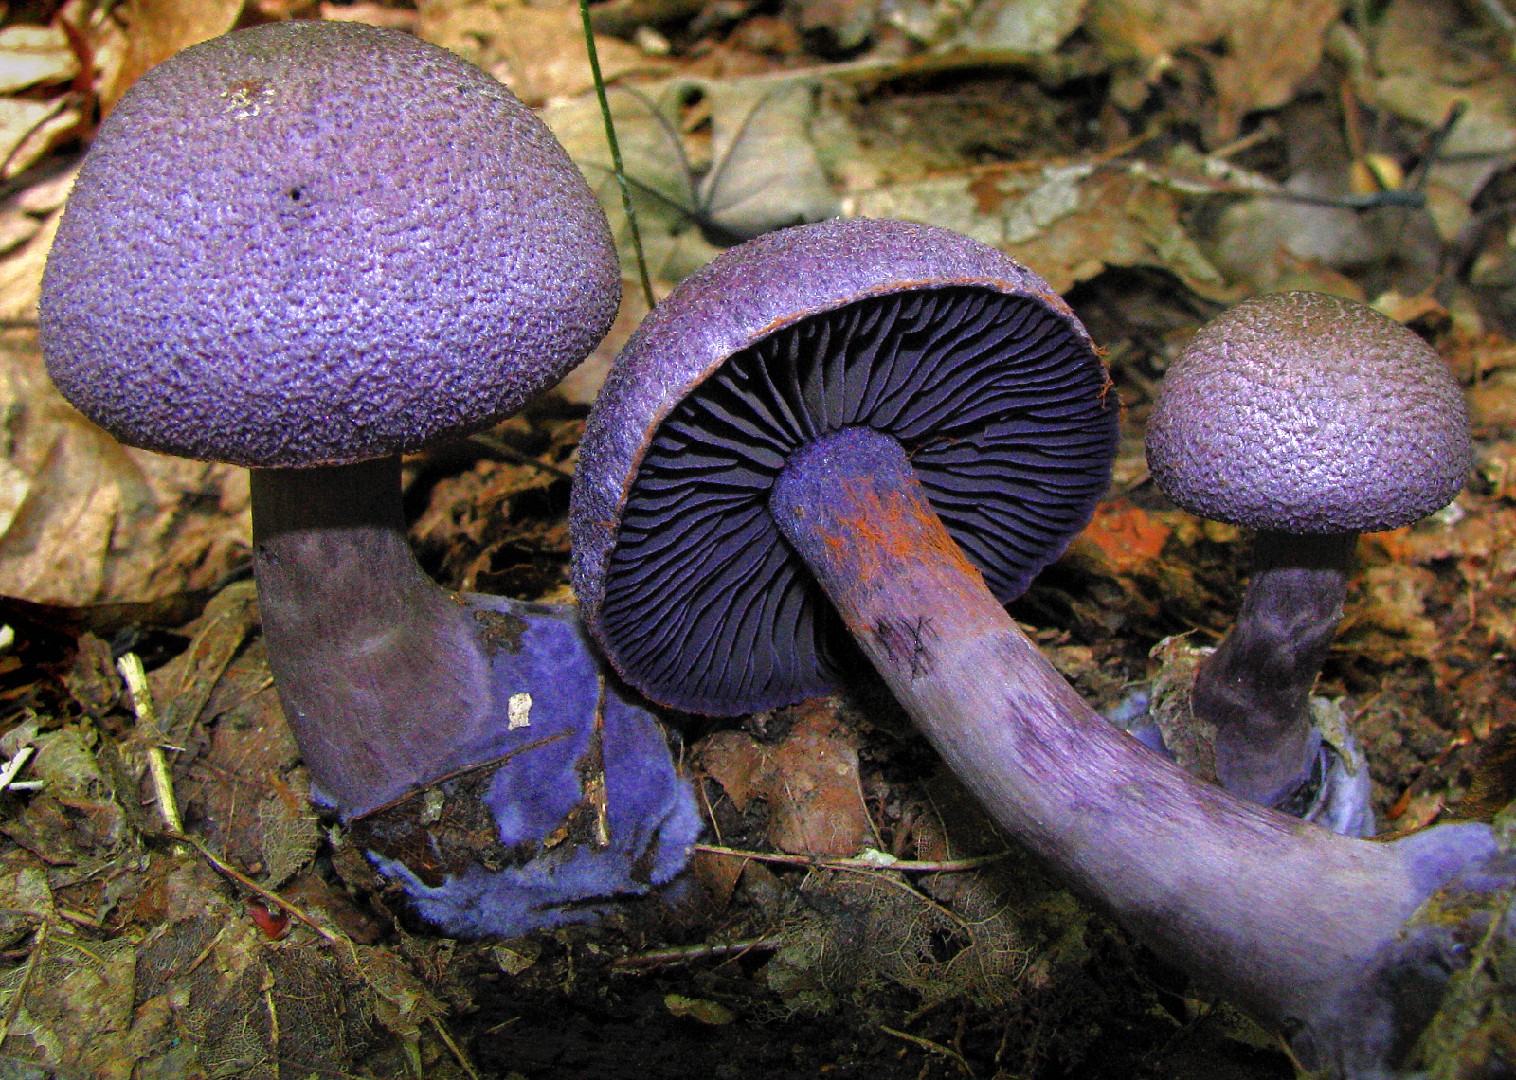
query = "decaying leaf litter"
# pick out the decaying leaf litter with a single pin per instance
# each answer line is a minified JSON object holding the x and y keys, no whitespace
{"x":849,"y":910}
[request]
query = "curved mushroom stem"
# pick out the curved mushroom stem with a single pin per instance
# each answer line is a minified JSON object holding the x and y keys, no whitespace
{"x":1297,"y":924}
{"x":456,"y":734}
{"x":1256,"y":687}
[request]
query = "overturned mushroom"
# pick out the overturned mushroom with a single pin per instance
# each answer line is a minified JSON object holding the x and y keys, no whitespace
{"x":306,"y":248}
{"x":1308,"y":419}
{"x":763,"y":397}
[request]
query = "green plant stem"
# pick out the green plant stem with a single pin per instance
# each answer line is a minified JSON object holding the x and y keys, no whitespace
{"x":616,"y":166}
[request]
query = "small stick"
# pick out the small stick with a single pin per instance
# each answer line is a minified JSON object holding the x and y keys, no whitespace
{"x":880,"y":862}
{"x":453,"y":1048}
{"x":686,"y":954}
{"x":26,"y":980}
{"x":258,"y":890}
{"x":135,"y":676}
{"x":14,"y":766}
{"x":927,"y":1044}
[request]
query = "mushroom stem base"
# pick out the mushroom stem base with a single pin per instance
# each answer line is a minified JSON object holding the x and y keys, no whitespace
{"x":1256,"y":687}
{"x":472,"y":743}
{"x":1293,"y":922}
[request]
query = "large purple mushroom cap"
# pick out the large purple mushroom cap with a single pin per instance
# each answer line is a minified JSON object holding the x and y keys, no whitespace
{"x":1303,"y":413}
{"x":316,"y":243}
{"x":307,"y":248}
{"x":956,"y":351}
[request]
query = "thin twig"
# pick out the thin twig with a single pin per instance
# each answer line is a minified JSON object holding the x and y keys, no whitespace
{"x":258,"y":890}
{"x":14,"y":766}
{"x":688,"y":954}
{"x":26,"y":980}
{"x":457,"y":1051}
{"x":616,"y":164}
{"x":927,"y":1044}
{"x":880,"y":861}
{"x":132,"y":671}
{"x":520,"y":457}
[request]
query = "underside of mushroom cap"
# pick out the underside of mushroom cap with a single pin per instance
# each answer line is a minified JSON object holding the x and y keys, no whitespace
{"x":316,"y":243}
{"x":949,"y":346}
{"x":1304,"y":413}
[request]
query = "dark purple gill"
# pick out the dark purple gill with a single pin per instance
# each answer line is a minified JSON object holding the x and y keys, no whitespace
{"x":998,"y":398}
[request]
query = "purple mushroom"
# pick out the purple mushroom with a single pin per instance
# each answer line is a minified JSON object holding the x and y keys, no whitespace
{"x":952,"y":352}
{"x":307,"y":248}
{"x":907,"y":424}
{"x":1308,"y":419}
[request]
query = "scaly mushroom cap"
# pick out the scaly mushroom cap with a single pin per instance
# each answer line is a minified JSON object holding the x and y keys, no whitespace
{"x":317,"y":243}
{"x":963,"y":355}
{"x":1303,"y":413}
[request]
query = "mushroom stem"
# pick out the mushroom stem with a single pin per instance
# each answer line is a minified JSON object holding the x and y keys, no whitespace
{"x":1256,"y":687}
{"x":368,"y":653}
{"x":1293,"y":922}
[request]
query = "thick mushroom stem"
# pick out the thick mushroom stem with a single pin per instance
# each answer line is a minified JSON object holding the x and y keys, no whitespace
{"x":1294,"y":923}
{"x":1256,"y":687}
{"x":471,"y":742}
{"x":372,"y":659}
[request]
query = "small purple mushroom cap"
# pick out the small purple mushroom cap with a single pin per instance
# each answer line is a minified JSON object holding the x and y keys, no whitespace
{"x":961,"y":355}
{"x":318,"y":243}
{"x":1303,"y":413}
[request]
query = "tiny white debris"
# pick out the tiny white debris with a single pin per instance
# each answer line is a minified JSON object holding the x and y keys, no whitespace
{"x":519,"y":711}
{"x":432,"y":805}
{"x":246,"y":101}
{"x":875,"y":857}
{"x":14,"y":766}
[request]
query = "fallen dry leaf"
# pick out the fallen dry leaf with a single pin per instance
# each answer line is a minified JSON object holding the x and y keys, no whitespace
{"x":1265,"y":52}
{"x":30,"y":129}
{"x":809,"y":781}
{"x":157,"y":29}
{"x":1268,"y":55}
{"x":33,"y":55}
{"x":85,"y":519}
{"x":1070,"y":220}
{"x":537,"y":51}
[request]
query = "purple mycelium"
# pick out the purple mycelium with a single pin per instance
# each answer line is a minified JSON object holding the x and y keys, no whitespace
{"x":310,"y":247}
{"x":776,"y":413}
{"x":1309,"y":419}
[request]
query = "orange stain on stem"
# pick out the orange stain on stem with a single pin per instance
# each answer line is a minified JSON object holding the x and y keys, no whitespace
{"x":886,"y":533}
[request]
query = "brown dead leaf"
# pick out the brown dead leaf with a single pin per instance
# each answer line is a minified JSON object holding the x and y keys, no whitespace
{"x":84,"y":519}
{"x":1266,"y":51}
{"x":1070,"y":220}
{"x":809,"y":781}
{"x":1391,"y":621}
{"x":30,"y":129}
{"x":1151,"y":30}
{"x":35,"y":55}
{"x":371,"y":14}
{"x":1426,"y":64}
{"x":75,"y":820}
{"x":1268,"y":55}
{"x":288,"y":835}
{"x":813,"y":790}
{"x":70,"y":985}
{"x":536,"y":50}
{"x":184,"y":685}
{"x":154,"y":30}
{"x":738,"y":763}
{"x":719,"y":874}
